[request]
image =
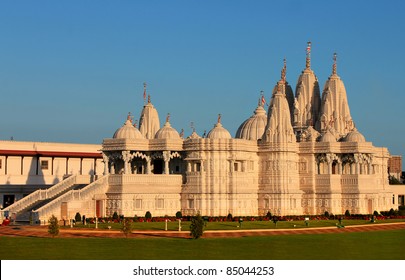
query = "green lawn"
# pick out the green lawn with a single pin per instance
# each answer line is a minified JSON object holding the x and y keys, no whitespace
{"x":173,"y":226}
{"x":342,"y":246}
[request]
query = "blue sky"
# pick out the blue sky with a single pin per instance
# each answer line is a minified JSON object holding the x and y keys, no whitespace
{"x":70,"y":71}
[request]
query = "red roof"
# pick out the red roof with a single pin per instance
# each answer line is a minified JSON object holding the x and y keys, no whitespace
{"x":50,"y":154}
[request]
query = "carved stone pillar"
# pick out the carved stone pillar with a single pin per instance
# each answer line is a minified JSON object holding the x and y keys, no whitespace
{"x":105,"y":160}
{"x":166,"y":158}
{"x":329,"y":161}
{"x":148,"y":167}
{"x":126,"y":157}
{"x":357,"y":163}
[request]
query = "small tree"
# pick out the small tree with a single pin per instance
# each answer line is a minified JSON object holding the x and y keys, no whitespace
{"x":179,"y":215}
{"x":268,"y":215}
{"x":326,"y":214}
{"x":347,"y":213}
{"x":229,"y":217}
{"x":126,"y":226}
{"x":78,"y":217}
{"x":115,"y":216}
{"x":197,"y":226}
{"x":53,"y":226}
{"x":148,"y":215}
{"x":375,"y":213}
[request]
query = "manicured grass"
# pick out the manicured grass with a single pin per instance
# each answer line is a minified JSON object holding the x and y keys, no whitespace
{"x":377,"y":245}
{"x":173,"y":226}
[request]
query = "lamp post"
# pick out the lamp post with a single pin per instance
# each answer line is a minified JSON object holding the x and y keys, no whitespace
{"x":95,"y":212}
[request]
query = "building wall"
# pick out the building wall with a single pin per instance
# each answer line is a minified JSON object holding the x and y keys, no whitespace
{"x":24,"y":169}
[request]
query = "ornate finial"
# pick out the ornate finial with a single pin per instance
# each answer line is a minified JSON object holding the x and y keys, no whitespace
{"x":192,"y":126}
{"x":262,"y":100}
{"x":148,"y":98}
{"x":279,"y":87}
{"x":136,"y":124}
{"x":284,"y":71}
{"x":182,"y":133}
{"x":334,"y":64}
{"x":219,"y":118}
{"x":168,"y":117}
{"x":308,"y":61}
{"x":144,"y":92}
{"x":130,"y":117}
{"x":204,"y":134}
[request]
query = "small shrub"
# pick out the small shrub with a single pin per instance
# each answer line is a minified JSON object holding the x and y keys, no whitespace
{"x":179,"y":215}
{"x":53,"y":226}
{"x":268,"y":215}
{"x":115,"y":216}
{"x":197,"y":226}
{"x":375,"y":213}
{"x":229,"y":217}
{"x":347,"y":213}
{"x":126,"y":226}
{"x":148,"y":215}
{"x":326,"y":214}
{"x":78,"y":217}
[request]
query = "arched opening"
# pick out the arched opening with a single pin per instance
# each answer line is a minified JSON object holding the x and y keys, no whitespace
{"x":158,"y":166}
{"x":334,"y":168}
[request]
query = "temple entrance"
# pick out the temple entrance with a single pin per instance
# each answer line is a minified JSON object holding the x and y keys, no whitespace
{"x":370,"y":206}
{"x":98,"y":208}
{"x":158,"y":165}
{"x":64,"y":211}
{"x":8,"y":199}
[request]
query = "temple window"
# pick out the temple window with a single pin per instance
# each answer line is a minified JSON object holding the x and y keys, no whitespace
{"x":266,"y":203}
{"x":44,"y":164}
{"x":191,"y":203}
{"x":198,"y":167}
{"x":138,"y":203}
{"x":160,"y":203}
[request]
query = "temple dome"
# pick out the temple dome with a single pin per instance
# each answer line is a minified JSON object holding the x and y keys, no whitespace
{"x":327,"y":137}
{"x":128,"y":131}
{"x":253,"y":128}
{"x":219,"y":132}
{"x":167,"y":132}
{"x":354,"y":136}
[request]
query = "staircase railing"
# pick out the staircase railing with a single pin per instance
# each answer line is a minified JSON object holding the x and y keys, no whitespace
{"x":53,"y":207}
{"x":47,"y":193}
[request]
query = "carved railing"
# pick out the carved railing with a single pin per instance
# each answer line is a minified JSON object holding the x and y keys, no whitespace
{"x":53,"y":207}
{"x":145,"y":179}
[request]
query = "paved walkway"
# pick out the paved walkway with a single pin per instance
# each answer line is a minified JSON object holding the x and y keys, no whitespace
{"x":42,"y":231}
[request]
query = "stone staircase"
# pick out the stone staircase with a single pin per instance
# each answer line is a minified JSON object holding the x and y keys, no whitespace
{"x":21,"y":209}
